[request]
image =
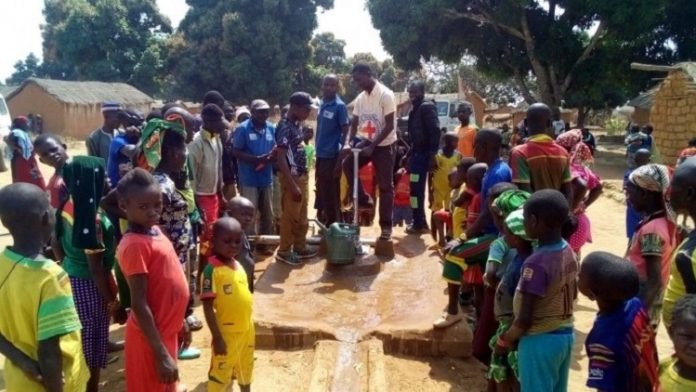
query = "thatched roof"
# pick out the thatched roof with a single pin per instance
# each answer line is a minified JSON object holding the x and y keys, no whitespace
{"x":87,"y":93}
{"x":644,"y":100}
{"x":7,"y":90}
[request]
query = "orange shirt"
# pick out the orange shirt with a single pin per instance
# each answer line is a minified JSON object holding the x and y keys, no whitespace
{"x":167,"y":290}
{"x":467,"y":137}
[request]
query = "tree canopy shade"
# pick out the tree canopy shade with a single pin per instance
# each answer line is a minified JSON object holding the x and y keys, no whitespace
{"x":244,"y":48}
{"x":577,"y":50}
{"x":107,"y":40}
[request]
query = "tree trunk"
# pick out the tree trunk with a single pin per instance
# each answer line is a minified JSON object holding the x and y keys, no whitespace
{"x":581,"y":116}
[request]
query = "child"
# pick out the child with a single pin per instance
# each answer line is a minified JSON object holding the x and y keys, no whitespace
{"x":20,"y":151}
{"x":446,"y":160}
{"x":497,"y":253}
{"x":641,"y":158}
{"x":292,"y":163}
{"x":503,"y":370}
{"x":621,"y":345}
{"x":463,"y":261}
{"x":443,"y":219}
{"x":402,"y":199}
{"x":243,"y":210}
{"x":227,"y":303}
{"x":85,"y":244}
{"x":158,"y":288}
{"x":682,"y":279}
{"x":42,"y":342}
{"x":587,"y":186}
{"x":678,"y":374}
{"x":474,"y":178}
{"x":310,"y":151}
{"x":634,"y":141}
{"x":543,"y":303}
{"x":164,"y":147}
{"x":53,"y":152}
{"x":206,"y":158}
{"x":651,"y":246}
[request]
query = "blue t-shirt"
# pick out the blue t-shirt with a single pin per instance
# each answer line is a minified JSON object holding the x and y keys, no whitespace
{"x":333,"y":116}
{"x":248,"y":139}
{"x":116,"y":158}
{"x":621,"y":349}
{"x":496,"y":173}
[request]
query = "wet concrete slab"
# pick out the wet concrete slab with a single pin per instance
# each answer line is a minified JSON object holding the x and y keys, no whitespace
{"x":295,"y":307}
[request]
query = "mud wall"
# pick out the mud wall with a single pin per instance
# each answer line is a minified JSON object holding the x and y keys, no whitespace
{"x":673,"y":115}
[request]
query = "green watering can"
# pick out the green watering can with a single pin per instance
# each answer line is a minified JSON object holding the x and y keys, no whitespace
{"x":343,"y":239}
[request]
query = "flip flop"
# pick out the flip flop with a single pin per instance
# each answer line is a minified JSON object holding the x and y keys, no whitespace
{"x":194,"y":323}
{"x":189,"y":353}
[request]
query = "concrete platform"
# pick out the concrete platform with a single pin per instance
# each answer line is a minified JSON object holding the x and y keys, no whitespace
{"x":295,"y":307}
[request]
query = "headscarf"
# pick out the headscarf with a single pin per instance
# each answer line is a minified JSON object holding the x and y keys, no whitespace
{"x":655,"y":178}
{"x":515,"y":223}
{"x":22,"y":140}
{"x":150,"y":144}
{"x":509,"y":201}
{"x":580,"y":153}
{"x":84,"y":177}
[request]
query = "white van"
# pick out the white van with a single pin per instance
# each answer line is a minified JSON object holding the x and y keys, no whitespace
{"x":5,"y":124}
{"x":5,"y":118}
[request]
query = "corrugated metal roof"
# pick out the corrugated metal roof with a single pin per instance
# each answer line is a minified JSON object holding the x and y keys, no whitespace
{"x":86,"y":93}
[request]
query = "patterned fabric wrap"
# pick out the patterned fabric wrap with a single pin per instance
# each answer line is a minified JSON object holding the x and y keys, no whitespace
{"x":580,"y":153}
{"x":501,"y":365}
{"x":94,"y":317}
{"x":510,"y":201}
{"x":84,"y":177}
{"x":515,"y":223}
{"x":150,"y":144}
{"x":655,"y":178}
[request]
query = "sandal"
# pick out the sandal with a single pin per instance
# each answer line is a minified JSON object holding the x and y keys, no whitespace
{"x":194,"y":323}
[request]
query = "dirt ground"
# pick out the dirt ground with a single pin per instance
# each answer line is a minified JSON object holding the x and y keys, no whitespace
{"x":280,"y":371}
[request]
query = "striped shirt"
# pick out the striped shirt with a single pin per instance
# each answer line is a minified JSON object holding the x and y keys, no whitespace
{"x":541,"y":163}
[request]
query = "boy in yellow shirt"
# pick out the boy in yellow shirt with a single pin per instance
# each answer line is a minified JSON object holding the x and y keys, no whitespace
{"x":227,"y":303}
{"x":678,"y":374}
{"x":41,"y":338}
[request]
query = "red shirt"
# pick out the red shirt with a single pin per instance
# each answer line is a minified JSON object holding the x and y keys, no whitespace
{"x":167,"y":290}
{"x":474,"y":209}
{"x":57,"y":190}
{"x":27,"y":170}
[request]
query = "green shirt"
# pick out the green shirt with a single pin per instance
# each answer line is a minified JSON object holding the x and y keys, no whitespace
{"x":75,"y":262}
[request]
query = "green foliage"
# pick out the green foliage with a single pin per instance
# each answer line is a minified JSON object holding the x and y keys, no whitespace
{"x":615,"y":125}
{"x":24,"y":69}
{"x":244,"y":48}
{"x":514,"y":39}
{"x":107,"y":40}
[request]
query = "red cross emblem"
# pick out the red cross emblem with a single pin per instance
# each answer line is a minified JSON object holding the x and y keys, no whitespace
{"x":370,"y":129}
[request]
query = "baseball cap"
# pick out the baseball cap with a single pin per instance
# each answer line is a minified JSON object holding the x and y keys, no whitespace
{"x":241,"y":110}
{"x":260,"y":104}
{"x":301,"y":98}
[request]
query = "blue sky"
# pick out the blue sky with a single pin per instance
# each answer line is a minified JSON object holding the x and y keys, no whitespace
{"x":20,"y":31}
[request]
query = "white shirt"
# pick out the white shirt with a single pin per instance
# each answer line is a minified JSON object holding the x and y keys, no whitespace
{"x":372,"y":109}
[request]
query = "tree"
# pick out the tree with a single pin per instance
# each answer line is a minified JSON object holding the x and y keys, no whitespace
{"x":244,"y":48}
{"x":559,"y":42}
{"x":108,"y":40}
{"x":329,"y":52}
{"x":28,"y":68}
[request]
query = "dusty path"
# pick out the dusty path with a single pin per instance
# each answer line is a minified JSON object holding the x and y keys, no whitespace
{"x":280,"y":371}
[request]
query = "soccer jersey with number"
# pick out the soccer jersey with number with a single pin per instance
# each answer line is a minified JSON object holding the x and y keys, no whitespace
{"x":550,"y":274}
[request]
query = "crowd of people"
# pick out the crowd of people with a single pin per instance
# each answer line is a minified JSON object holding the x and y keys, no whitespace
{"x":163,"y":206}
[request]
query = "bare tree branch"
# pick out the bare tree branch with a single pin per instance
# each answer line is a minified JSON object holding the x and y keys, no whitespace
{"x":484,"y":19}
{"x":594,"y":41}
